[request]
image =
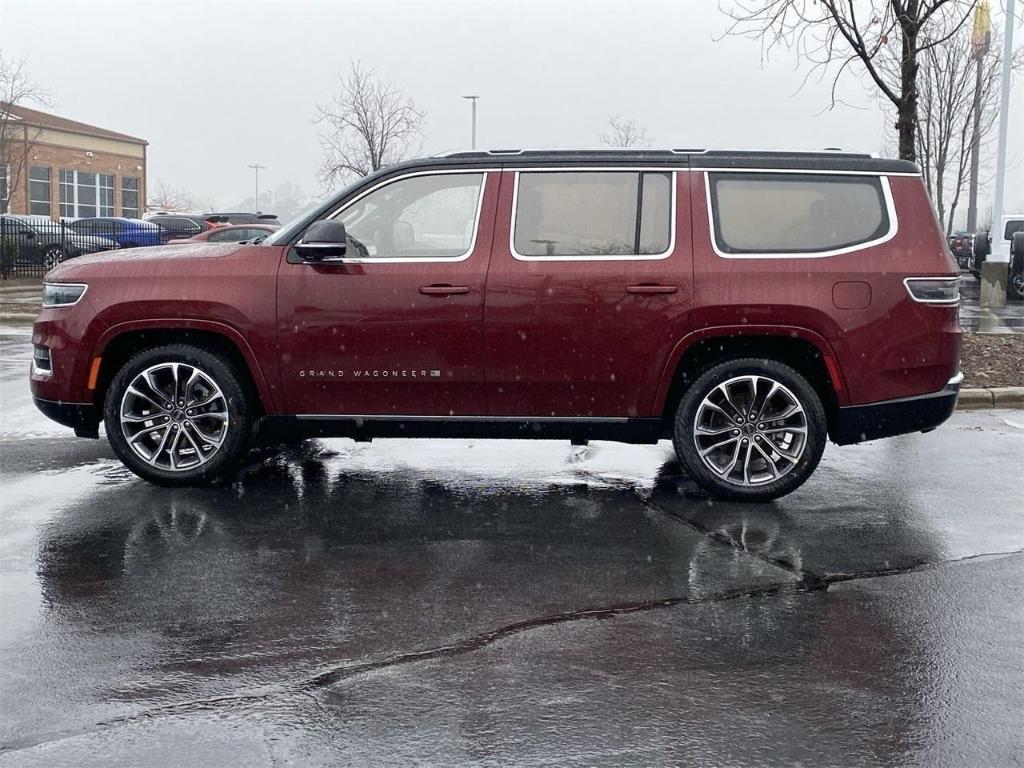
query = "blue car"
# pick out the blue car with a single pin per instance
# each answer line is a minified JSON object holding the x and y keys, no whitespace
{"x":127,"y":233}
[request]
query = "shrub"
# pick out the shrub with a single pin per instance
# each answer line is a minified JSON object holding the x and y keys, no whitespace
{"x":8,"y":256}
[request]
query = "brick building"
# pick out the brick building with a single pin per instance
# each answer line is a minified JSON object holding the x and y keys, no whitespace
{"x":51,"y":166}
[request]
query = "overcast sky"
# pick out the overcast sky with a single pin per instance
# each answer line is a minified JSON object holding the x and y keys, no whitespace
{"x":215,"y":86}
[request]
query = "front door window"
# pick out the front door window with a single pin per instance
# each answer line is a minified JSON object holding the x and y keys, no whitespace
{"x":420,"y":217}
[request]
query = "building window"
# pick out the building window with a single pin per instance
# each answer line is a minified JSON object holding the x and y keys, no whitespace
{"x":84,"y":194}
{"x":5,"y":188}
{"x":105,"y":188}
{"x":67,"y":194}
{"x":39,"y":191}
{"x":130,"y":197}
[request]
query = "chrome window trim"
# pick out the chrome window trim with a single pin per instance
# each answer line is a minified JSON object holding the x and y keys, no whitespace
{"x":83,"y":286}
{"x":673,"y":183}
{"x":484,"y":172}
{"x":940,"y":302}
{"x":886,"y":195}
{"x":815,"y":172}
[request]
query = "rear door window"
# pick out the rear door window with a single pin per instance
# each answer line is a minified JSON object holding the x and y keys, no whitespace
{"x":782,"y":213}
{"x":593,"y":214}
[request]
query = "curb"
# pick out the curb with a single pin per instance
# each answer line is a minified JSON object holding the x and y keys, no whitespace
{"x":990,"y":397}
{"x":18,"y":318}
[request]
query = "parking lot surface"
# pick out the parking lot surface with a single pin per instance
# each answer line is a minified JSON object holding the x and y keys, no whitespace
{"x":974,"y":317}
{"x":494,"y":603}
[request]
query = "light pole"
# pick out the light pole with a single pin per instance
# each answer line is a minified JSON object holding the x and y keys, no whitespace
{"x":257,"y":167}
{"x":980,"y":40}
{"x":473,"y":99}
{"x":994,"y":270}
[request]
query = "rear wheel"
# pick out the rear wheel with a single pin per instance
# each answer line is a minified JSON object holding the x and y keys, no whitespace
{"x":178,"y":415}
{"x":750,"y":429}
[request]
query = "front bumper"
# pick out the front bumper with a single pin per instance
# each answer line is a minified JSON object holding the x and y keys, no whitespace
{"x":84,"y":418}
{"x":922,"y":413}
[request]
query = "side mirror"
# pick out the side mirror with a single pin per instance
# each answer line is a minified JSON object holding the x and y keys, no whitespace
{"x":325,"y":239}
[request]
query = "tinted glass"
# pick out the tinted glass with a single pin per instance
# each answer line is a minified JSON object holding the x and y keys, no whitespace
{"x":1012,"y":227}
{"x":130,"y":196}
{"x":790,"y":213}
{"x":86,"y":191}
{"x":592,"y":213}
{"x":422,"y":216}
{"x":39,"y":190}
{"x":230,"y":235}
{"x":656,"y":213}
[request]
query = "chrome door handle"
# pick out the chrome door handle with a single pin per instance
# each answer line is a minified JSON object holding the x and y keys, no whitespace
{"x":444,"y":290}
{"x":647,"y":288}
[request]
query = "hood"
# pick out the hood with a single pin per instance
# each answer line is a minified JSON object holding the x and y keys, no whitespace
{"x":136,"y":260}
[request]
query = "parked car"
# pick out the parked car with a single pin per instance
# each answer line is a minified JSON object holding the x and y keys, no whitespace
{"x":238,"y":217}
{"x":746,"y":305}
{"x":231,"y":233}
{"x":982,"y":247}
{"x":1015,"y":284}
{"x":962,"y":246}
{"x":45,"y":243}
{"x":182,"y":226}
{"x":127,"y":233}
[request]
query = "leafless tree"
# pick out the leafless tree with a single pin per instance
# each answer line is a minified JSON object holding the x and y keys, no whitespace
{"x":16,"y":90}
{"x":884,"y":38}
{"x":624,"y":132}
{"x":166,"y":197}
{"x":369,"y":124}
{"x":946,"y":117}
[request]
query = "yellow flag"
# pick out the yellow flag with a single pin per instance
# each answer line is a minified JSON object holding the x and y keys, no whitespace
{"x":981,"y":35}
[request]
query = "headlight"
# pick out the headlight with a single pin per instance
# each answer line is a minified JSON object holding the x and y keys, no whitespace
{"x":934,"y":290}
{"x":62,"y":294}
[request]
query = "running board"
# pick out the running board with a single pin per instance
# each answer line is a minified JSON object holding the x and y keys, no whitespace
{"x":362,"y":428}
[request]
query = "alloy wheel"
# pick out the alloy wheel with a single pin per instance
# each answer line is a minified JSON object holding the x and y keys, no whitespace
{"x":750,"y":430}
{"x":52,"y":257}
{"x":174,"y":416}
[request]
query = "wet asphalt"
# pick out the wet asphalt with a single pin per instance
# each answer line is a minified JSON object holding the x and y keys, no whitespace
{"x":974,"y":317}
{"x":497,"y":603}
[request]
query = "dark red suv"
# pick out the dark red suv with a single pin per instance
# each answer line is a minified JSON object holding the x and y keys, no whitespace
{"x":745,"y":305}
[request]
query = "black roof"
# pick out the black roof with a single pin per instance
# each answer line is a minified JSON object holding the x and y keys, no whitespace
{"x":832,"y":160}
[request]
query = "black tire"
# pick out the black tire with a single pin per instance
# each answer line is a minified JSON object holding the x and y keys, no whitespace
{"x":789,"y":475}
{"x":232,"y":401}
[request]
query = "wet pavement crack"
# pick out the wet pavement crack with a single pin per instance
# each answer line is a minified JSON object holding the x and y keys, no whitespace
{"x":306,"y":688}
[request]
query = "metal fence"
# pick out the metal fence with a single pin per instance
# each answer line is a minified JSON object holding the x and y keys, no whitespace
{"x":30,"y":246}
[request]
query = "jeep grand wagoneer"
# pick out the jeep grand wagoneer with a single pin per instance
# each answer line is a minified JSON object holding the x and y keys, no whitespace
{"x":746,"y":305}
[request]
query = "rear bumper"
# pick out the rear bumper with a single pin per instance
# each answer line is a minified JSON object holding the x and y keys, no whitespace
{"x":84,"y":418}
{"x":859,"y":423}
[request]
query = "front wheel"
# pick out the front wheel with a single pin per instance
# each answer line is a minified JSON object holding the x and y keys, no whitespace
{"x":750,"y":429}
{"x":177,"y":415}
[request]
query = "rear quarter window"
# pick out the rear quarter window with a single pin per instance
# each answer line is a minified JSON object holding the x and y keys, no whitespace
{"x":811,"y":214}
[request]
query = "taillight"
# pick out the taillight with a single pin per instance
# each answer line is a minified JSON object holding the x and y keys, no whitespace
{"x":934,"y":290}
